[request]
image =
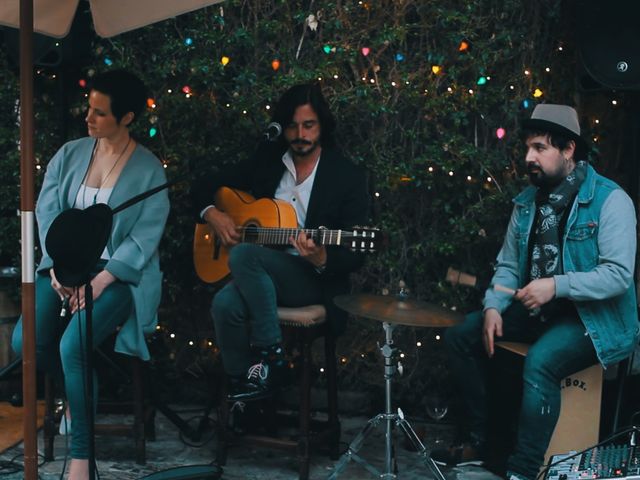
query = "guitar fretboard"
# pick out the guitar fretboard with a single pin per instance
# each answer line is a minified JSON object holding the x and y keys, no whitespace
{"x":281,"y":236}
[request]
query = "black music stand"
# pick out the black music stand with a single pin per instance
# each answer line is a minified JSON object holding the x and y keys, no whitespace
{"x":75,"y":240}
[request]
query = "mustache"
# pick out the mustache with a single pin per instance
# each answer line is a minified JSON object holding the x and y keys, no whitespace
{"x":532,"y":166}
{"x":300,"y":141}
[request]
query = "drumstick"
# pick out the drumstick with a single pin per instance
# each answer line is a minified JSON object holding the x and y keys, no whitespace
{"x":500,"y":288}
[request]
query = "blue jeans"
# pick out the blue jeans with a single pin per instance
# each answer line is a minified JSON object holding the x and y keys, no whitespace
{"x":245,"y":311}
{"x":560,"y":347}
{"x":60,"y":349}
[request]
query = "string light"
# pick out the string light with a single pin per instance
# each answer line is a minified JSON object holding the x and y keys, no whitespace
{"x":188,"y":41}
{"x":365,"y":51}
{"x":481,"y":80}
{"x":464,"y":46}
{"x":275,"y":64}
{"x":500,"y":133}
{"x":436,"y":69}
{"x":225,"y":60}
{"x":537,"y":93}
{"x":399,"y":57}
{"x":527,"y":72}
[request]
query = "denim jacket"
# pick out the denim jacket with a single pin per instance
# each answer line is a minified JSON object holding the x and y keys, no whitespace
{"x":598,"y":257}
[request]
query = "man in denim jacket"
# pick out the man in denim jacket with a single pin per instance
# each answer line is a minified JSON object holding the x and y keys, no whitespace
{"x":569,"y":255}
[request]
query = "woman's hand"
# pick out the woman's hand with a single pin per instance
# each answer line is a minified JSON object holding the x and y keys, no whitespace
{"x":62,"y":291}
{"x":98,"y":285}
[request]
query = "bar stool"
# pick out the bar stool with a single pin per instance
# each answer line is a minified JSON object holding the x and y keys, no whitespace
{"x":142,"y":427}
{"x":305,"y":324}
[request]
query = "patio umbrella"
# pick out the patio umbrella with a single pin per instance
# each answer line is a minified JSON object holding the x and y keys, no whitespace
{"x":54,"y":18}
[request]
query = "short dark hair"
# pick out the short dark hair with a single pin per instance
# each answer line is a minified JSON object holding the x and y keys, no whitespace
{"x":304,"y":94}
{"x":127,"y":92}
{"x":557,"y":140}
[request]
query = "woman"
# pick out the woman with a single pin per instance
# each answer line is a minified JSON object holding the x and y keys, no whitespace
{"x":106,"y":167}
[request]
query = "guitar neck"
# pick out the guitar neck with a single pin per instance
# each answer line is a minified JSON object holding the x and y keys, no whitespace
{"x":281,"y":236}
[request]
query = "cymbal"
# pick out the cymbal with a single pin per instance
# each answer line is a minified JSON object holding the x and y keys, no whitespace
{"x":389,"y":309}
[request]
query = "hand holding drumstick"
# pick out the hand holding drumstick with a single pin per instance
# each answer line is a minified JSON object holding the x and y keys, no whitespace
{"x":534,"y":295}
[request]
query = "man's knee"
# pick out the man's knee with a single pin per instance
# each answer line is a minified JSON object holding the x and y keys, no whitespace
{"x":539,"y":367}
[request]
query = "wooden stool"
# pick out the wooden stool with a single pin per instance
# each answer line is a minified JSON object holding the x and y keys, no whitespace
{"x":578,"y":426}
{"x":140,"y":430}
{"x":306,"y":324}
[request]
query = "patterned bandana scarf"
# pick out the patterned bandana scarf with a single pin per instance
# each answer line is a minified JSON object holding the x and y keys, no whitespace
{"x":545,"y":255}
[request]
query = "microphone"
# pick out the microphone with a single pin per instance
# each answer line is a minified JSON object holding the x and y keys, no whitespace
{"x":272,"y":132}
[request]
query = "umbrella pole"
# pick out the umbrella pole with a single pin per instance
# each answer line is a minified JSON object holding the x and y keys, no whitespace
{"x":28,"y":225}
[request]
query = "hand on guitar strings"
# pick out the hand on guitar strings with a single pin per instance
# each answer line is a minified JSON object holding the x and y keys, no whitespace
{"x":223,"y":226}
{"x":307,"y":248}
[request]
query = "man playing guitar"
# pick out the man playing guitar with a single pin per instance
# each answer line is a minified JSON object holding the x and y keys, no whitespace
{"x":303,"y":168}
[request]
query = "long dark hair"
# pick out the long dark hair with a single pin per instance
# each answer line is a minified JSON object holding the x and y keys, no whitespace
{"x":310,"y":94}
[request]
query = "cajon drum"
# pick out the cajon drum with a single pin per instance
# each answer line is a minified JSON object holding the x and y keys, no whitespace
{"x":579,"y":424}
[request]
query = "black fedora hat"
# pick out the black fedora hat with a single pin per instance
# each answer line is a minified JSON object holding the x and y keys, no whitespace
{"x":75,"y":241}
{"x":561,"y":119}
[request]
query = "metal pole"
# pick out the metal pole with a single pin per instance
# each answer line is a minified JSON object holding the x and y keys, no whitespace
{"x":28,"y":226}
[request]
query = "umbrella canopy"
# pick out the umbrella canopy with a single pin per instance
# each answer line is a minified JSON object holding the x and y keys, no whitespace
{"x":110,"y":17}
{"x":54,"y":18}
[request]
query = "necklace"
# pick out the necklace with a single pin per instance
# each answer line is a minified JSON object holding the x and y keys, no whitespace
{"x":104,"y":179}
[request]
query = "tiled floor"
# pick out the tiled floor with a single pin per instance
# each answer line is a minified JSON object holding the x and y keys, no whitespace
{"x":115,"y":461}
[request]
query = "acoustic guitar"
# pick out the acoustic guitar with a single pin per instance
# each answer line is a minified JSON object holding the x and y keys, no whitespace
{"x":265,"y":221}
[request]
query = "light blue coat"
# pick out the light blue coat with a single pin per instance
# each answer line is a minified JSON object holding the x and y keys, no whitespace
{"x":135,"y":235}
{"x":598,"y":258}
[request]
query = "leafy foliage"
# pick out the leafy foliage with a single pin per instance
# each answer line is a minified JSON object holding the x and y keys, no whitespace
{"x":427,"y":139}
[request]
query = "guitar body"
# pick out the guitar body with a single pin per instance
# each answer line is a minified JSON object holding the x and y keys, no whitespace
{"x":209,"y":255}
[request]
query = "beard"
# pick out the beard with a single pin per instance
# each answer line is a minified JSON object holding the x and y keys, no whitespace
{"x":301,"y":148}
{"x":542,"y":179}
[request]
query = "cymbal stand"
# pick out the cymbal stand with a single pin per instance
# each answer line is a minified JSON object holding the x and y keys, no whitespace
{"x":389,"y":418}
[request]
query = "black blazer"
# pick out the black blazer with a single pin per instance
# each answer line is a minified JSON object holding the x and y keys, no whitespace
{"x":339,"y":199}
